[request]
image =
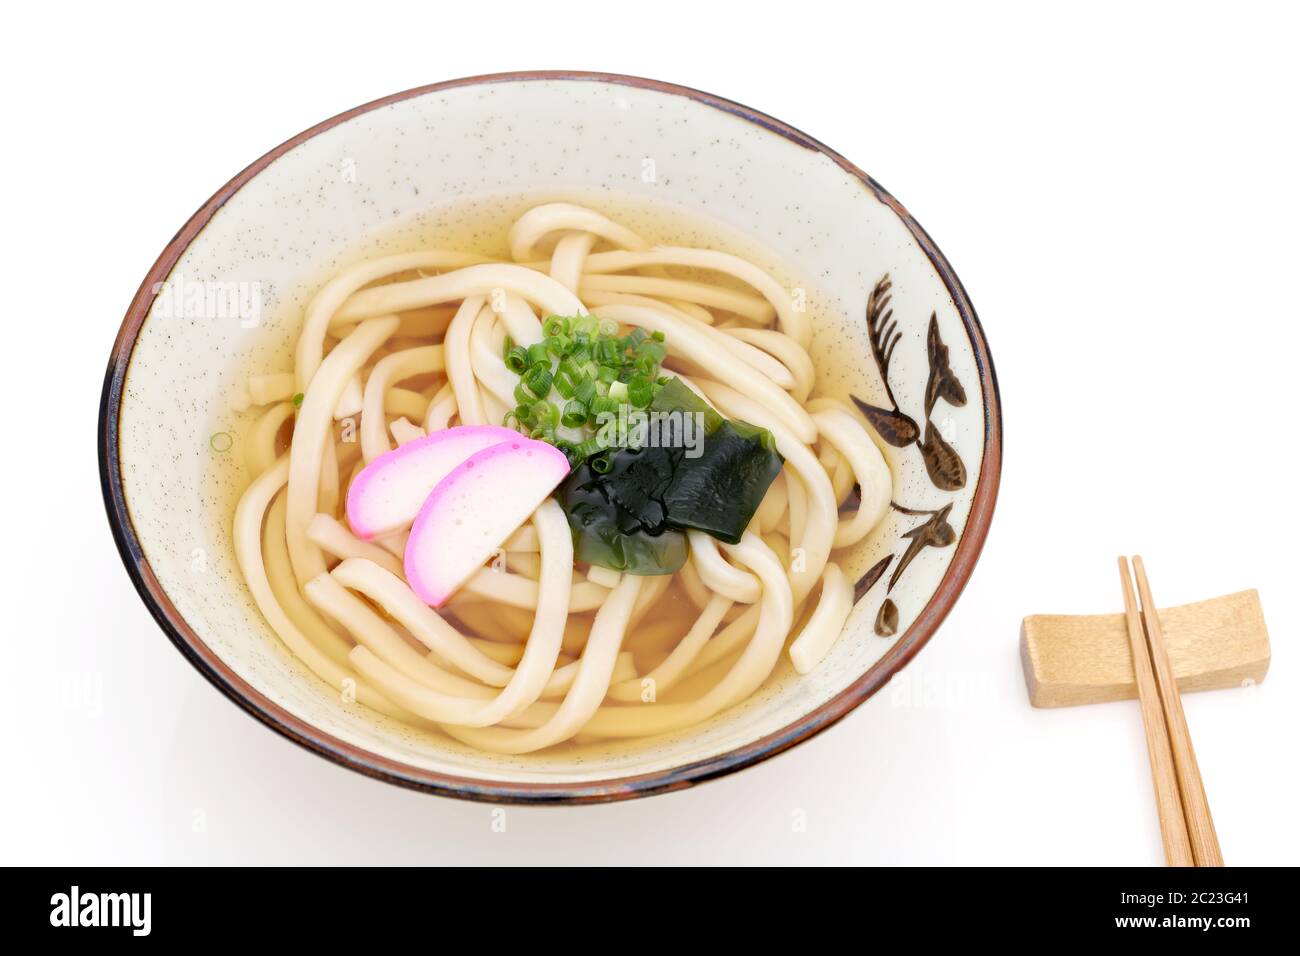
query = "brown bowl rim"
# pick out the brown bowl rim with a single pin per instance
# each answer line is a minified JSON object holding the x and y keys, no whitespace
{"x":401,"y":774}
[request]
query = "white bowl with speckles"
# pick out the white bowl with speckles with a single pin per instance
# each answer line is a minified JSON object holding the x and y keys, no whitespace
{"x":414,"y":163}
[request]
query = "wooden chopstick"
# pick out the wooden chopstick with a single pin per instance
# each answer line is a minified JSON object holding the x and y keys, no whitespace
{"x":1169,"y":804}
{"x":1196,"y":808}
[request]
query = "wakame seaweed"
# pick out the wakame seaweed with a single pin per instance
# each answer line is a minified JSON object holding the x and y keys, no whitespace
{"x":719,"y":492}
{"x":629,"y":514}
{"x":609,"y":535}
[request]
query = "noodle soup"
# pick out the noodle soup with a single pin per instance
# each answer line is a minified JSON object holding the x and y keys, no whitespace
{"x":544,"y":472}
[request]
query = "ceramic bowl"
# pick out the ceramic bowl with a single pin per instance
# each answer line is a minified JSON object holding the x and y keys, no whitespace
{"x":889,"y":314}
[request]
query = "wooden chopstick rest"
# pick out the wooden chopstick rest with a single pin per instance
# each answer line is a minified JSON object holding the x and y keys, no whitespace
{"x":1085,"y":659}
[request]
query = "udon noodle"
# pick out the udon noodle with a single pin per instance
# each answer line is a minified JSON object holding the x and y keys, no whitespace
{"x":535,"y":649}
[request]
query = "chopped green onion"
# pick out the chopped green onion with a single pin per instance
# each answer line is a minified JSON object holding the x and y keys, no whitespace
{"x":538,"y":380}
{"x":575,"y":415}
{"x":545,"y":414}
{"x":517,"y":360}
{"x":571,"y":368}
{"x":297,"y":400}
{"x":606,"y":352}
{"x":588,"y":447}
{"x":603,"y":404}
{"x":640,"y":392}
{"x":584,"y":390}
{"x":651,"y":352}
{"x":594,"y":370}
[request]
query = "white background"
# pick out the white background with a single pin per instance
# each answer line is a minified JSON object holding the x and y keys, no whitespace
{"x":1117,"y":188}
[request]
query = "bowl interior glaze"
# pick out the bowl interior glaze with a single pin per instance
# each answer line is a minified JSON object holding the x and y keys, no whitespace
{"x":373,"y":180}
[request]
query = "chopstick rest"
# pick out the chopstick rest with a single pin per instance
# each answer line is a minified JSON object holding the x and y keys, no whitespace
{"x":1086,"y":659}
